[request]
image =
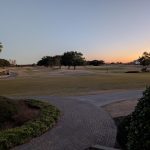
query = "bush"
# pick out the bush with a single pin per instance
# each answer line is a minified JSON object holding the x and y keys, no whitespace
{"x":132,"y":72}
{"x":134,"y":130}
{"x":122,"y":125}
{"x":144,"y":69}
{"x":139,"y":129}
{"x":95,"y":62}
{"x":7,"y":109}
{"x":19,"y":135}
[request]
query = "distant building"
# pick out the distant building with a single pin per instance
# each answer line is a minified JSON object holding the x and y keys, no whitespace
{"x":136,"y":62}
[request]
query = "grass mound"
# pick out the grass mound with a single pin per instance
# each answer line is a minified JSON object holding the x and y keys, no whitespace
{"x":8,"y":109}
{"x":14,"y":113}
{"x":35,"y":127}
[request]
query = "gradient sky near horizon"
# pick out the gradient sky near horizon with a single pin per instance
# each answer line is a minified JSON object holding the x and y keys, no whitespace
{"x":112,"y":30}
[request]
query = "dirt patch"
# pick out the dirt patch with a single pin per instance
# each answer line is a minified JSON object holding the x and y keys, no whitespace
{"x":122,"y":108}
{"x":25,"y":113}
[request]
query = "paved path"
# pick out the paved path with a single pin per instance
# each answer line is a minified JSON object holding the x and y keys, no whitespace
{"x":110,"y":97}
{"x":82,"y":123}
{"x":10,"y":76}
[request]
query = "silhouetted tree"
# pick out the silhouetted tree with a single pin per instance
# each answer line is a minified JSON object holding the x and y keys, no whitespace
{"x":145,"y":61}
{"x":72,"y":58}
{"x":96,"y":62}
{"x":1,"y":46}
{"x":50,"y":61}
{"x":46,"y":61}
{"x":57,"y":60}
{"x":4,"y":63}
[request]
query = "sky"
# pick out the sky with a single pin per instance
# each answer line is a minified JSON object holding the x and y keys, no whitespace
{"x":112,"y":30}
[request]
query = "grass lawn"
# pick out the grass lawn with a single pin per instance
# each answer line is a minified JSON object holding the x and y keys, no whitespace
{"x":71,"y":85}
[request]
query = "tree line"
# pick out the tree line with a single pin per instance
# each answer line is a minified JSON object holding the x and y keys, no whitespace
{"x":70,"y":59}
{"x":74,"y":58}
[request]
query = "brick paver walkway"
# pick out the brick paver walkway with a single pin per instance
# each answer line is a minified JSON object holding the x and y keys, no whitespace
{"x":83,"y":122}
{"x":80,"y":126}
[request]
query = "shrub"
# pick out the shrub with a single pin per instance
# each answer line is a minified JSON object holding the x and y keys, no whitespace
{"x":95,"y":62}
{"x":132,"y":72}
{"x":122,"y":125}
{"x":139,"y":128}
{"x":19,"y":135}
{"x":134,"y":130}
{"x":144,"y":69}
{"x":7,"y":109}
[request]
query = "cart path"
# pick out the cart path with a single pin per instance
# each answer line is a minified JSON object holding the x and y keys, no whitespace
{"x":83,"y":122}
{"x":109,"y":97}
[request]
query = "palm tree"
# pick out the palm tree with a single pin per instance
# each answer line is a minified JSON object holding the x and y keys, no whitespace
{"x":1,"y":46}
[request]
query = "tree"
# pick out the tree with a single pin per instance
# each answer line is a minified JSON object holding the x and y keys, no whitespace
{"x":4,"y":63}
{"x":1,"y":46}
{"x":72,"y":58}
{"x":145,"y":61}
{"x":57,"y":60}
{"x":50,"y":61}
{"x":96,"y":62}
{"x":46,"y":61}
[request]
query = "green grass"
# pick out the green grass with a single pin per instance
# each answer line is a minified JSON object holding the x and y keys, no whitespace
{"x":70,"y":85}
{"x":19,"y":135}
